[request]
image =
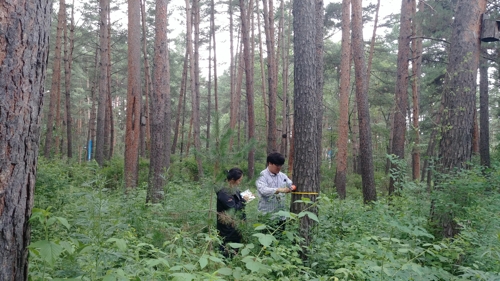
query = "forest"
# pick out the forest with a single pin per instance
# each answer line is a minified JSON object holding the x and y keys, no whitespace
{"x":119,"y":121}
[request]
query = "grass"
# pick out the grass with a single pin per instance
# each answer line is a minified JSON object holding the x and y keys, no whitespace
{"x":84,"y":227}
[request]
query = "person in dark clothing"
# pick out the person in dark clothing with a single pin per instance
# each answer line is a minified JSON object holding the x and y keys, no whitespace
{"x":230,"y":209}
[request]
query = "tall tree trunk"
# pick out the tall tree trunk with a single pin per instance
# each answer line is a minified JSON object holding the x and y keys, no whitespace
{"x":291,"y":149}
{"x":484,"y":139}
{"x":146,"y":129}
{"x":271,"y":73}
{"x":459,"y":98}
{"x":194,"y":78}
{"x":365,"y":135}
{"x":354,"y":128}
{"x":319,"y":9}
{"x":416,"y":72}
{"x":235,"y":102}
{"x":234,"y":116}
{"x":68,"y":60}
{"x":401,"y":92}
{"x":306,"y":164}
{"x":92,"y":115}
{"x":24,"y":46}
{"x":212,"y":24}
{"x":475,"y":135}
{"x":209,"y":90}
{"x":55,"y":86}
{"x":455,"y":147}
{"x":132,"y":132}
{"x":60,"y":124}
{"x":345,"y":80}
{"x":184,"y":118}
{"x":249,"y":84}
{"x":108,"y":121}
{"x":372,"y":46}
{"x":233,"y":109}
{"x":180,"y":109}
{"x":285,"y":62}
{"x":160,"y":108}
{"x":262,"y":72}
{"x":196,"y":97}
{"x":103,"y":82}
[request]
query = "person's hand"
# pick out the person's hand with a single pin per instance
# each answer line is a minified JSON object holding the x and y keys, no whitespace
{"x":246,"y":197}
{"x":283,"y":190}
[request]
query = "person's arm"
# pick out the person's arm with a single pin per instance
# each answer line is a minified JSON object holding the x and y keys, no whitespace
{"x":229,"y":202}
{"x":266,"y":190}
{"x":263,"y":187}
{"x":287,"y":181}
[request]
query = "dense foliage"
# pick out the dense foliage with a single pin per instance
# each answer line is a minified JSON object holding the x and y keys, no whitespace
{"x":85,"y":228}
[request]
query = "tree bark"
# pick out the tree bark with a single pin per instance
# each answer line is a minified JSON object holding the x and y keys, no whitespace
{"x":132,"y":130}
{"x":103,"y":81}
{"x":108,"y":121}
{"x":319,"y":17}
{"x":455,"y":147}
{"x":55,"y":86}
{"x":24,"y":46}
{"x":401,"y":92}
{"x":195,"y":102}
{"x":68,"y":61}
{"x":459,"y":98}
{"x":271,"y":74}
{"x":416,"y":73}
{"x":180,"y":108}
{"x":372,"y":45}
{"x":365,"y":137}
{"x":212,"y":24}
{"x":160,"y":108}
{"x":249,"y":84}
{"x":146,"y":129}
{"x":306,"y":163}
{"x":262,"y":72}
{"x":345,"y":80}
{"x":484,"y":139}
{"x":92,"y":115}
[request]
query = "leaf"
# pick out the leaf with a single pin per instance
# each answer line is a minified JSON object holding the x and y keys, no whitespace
{"x":203,"y":261}
{"x":215,"y":259}
{"x":109,"y":277}
{"x":49,"y":251}
{"x":260,"y":227}
{"x":311,"y":215}
{"x":255,"y":266}
{"x":51,"y":221}
{"x":225,"y":271}
{"x":64,"y":222}
{"x":179,"y":252}
{"x":67,"y":247}
{"x":176,"y":268}
{"x":284,"y":214}
{"x":236,"y":245}
{"x":403,"y":250}
{"x":238,"y":273}
{"x":342,"y":271}
{"x":265,"y":239}
{"x":183,"y":276}
{"x":156,"y":262}
{"x":190,"y":266}
{"x":120,"y":243}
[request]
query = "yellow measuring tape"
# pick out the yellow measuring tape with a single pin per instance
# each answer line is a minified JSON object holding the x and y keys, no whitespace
{"x":306,"y":193}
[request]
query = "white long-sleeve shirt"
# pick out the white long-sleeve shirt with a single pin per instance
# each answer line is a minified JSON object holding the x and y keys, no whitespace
{"x":267,"y":183}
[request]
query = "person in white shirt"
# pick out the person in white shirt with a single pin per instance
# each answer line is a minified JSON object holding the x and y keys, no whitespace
{"x":272,"y":185}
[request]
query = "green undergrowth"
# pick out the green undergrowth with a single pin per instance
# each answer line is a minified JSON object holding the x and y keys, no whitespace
{"x":82,"y":229}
